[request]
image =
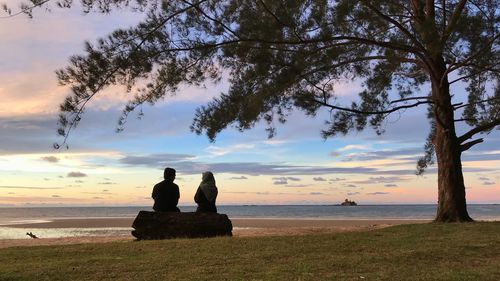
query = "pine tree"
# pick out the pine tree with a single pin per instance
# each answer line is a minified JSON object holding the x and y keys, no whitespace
{"x":288,"y":54}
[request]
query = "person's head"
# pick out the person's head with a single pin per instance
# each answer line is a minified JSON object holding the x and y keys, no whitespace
{"x":169,"y":174}
{"x":207,"y":177}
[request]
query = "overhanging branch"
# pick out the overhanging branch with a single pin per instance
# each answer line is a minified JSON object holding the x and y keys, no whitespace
{"x":396,"y":24}
{"x":468,"y":145}
{"x":26,"y":10}
{"x":461,"y":105}
{"x":356,"y":111}
{"x":470,"y":58}
{"x":479,"y":129}
{"x":453,"y":20}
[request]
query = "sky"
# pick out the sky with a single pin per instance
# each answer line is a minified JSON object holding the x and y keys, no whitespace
{"x":104,"y":168}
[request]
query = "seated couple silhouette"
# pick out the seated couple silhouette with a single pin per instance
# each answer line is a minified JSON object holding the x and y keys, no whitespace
{"x":166,"y":193}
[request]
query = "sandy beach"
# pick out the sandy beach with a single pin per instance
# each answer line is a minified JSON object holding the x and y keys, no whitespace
{"x":242,"y":227}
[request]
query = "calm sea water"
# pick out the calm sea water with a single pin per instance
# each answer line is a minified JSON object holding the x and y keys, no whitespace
{"x":417,"y":212}
{"x":363,"y":212}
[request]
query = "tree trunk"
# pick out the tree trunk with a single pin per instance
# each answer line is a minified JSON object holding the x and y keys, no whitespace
{"x":452,"y":206}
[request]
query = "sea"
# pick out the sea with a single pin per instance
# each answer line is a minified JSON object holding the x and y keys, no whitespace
{"x":15,"y":215}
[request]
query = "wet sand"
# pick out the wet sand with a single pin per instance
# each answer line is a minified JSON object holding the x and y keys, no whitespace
{"x":243,"y":227}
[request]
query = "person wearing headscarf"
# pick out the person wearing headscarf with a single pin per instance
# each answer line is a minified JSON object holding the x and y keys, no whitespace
{"x":206,"y":194}
{"x":166,"y":193}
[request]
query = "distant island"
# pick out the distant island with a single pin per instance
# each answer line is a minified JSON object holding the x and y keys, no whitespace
{"x":347,"y":202}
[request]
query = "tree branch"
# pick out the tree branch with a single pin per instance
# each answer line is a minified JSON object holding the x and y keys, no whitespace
{"x":467,"y":76}
{"x":407,"y":99}
{"x":77,"y":115}
{"x":463,"y":119}
{"x":453,"y":20}
{"x":468,"y":145}
{"x":471,"y":57}
{"x":478,"y":129}
{"x":279,"y":21}
{"x":26,"y":10}
{"x":460,"y":105}
{"x":370,"y":112}
{"x":443,"y":23}
{"x":212,"y":19}
{"x":397,"y":24}
{"x":103,"y":83}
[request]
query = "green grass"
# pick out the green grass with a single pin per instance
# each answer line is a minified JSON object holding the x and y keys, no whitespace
{"x":407,"y":252}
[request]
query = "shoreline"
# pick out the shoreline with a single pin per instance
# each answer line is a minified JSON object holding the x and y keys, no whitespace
{"x":242,"y":227}
{"x":108,"y":222}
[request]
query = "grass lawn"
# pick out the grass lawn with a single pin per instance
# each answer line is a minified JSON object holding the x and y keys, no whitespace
{"x":408,"y":252}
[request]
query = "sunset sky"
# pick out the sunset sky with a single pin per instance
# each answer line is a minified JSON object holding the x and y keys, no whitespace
{"x":102,"y":167}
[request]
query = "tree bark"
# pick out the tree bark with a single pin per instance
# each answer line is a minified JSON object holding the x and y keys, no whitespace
{"x":452,"y":206}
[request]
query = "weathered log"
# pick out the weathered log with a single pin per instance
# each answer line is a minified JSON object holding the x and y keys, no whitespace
{"x":164,"y":225}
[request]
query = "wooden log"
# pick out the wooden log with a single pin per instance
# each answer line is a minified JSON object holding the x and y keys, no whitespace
{"x":165,"y":225}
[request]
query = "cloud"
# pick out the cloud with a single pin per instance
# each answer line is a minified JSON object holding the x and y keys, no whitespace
{"x":79,"y":181}
{"x":412,"y":154}
{"x":157,"y":160}
{"x":351,"y":185}
{"x":284,"y":180}
{"x":352,"y":193}
{"x":56,"y":196}
{"x":316,"y":193}
{"x":280,"y":181}
{"x":484,"y":179}
{"x":28,"y":187}
{"x":297,"y":185}
{"x":220,"y":151}
{"x":184,"y":164}
{"x":76,"y":175}
{"x":238,"y":178}
{"x":50,"y":159}
{"x":339,"y":151}
{"x":272,"y":193}
{"x":319,"y":179}
{"x":488,"y":183}
{"x":352,"y":147}
{"x":377,"y":193}
{"x":402,"y":154}
{"x":391,"y":185}
{"x":337,"y":179}
{"x":35,"y":133}
{"x":481,"y":155}
{"x":381,"y":179}
{"x":107,"y":183}
{"x":27,"y":134}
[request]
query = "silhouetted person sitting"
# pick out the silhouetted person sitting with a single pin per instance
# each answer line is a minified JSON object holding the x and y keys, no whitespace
{"x":206,"y":194}
{"x":166,"y":193}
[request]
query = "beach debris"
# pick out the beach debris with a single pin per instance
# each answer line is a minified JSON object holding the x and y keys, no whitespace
{"x":164,"y":225}
{"x":30,"y":234}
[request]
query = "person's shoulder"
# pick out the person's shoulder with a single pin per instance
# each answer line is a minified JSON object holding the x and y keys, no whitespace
{"x":160,"y":183}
